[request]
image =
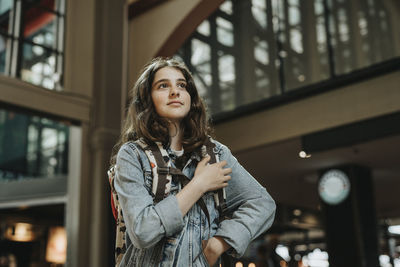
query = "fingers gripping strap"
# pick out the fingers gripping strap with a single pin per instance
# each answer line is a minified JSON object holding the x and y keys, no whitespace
{"x":220,"y":195}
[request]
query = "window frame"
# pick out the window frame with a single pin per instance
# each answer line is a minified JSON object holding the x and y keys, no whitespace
{"x":15,"y":55}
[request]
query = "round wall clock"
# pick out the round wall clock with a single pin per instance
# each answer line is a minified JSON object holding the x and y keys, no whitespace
{"x":334,"y":187}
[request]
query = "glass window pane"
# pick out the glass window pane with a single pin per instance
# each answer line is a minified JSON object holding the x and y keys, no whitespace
{"x":224,"y":31}
{"x":204,"y":28}
{"x":226,"y":69}
{"x":39,"y":66}
{"x":285,"y":47}
{"x":201,"y":52}
{"x":31,"y":148}
{"x":204,"y":73}
{"x":260,"y":17}
{"x":4,"y":51}
{"x":203,"y":80}
{"x":263,"y":83}
{"x":5,"y":5}
{"x":261,"y":52}
{"x":5,"y":16}
{"x":202,"y":83}
{"x":296,"y":40}
{"x":318,"y":7}
{"x":31,"y":41}
{"x":226,"y":7}
{"x":363,"y":37}
{"x":294,"y":15}
{"x":40,"y":27}
{"x":293,"y":2}
{"x":259,"y":14}
{"x":49,"y":149}
{"x":49,"y":5}
{"x":260,"y":4}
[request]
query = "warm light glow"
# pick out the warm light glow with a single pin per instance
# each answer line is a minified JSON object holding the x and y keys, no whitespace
{"x":56,"y":251}
{"x":20,"y":232}
{"x":251,"y":265}
{"x":304,"y":155}
{"x":239,"y":264}
{"x":297,"y":212}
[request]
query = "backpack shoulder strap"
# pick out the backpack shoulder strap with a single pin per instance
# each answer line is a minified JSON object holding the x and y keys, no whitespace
{"x":209,"y":147}
{"x":219,"y":195}
{"x":114,"y":197}
{"x":161,"y":174}
{"x":120,"y":243}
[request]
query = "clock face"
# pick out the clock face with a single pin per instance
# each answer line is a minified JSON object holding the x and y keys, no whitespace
{"x":334,"y":187}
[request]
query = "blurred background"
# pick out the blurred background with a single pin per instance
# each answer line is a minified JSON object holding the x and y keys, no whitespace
{"x":305,"y":93}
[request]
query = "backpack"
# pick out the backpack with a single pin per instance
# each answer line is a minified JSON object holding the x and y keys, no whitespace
{"x":162,"y":177}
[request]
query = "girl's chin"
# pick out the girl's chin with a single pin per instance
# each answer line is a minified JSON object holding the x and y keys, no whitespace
{"x":173,"y":120}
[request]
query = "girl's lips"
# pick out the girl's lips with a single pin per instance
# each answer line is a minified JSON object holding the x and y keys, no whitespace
{"x":175,"y":102}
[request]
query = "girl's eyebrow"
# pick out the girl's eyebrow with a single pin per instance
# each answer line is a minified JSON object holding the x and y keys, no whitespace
{"x":168,"y":80}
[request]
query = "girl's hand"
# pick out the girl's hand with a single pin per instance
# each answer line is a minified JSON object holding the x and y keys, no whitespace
{"x":210,"y":177}
{"x":207,"y":177}
{"x":213,"y":248}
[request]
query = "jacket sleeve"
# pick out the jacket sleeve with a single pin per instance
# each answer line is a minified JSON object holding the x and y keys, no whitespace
{"x":146,"y":222}
{"x":252,"y":208}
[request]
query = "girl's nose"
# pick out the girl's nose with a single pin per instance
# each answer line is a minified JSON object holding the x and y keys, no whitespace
{"x":174,"y":92}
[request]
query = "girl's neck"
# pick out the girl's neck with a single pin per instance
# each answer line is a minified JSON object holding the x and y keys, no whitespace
{"x":175,"y":135}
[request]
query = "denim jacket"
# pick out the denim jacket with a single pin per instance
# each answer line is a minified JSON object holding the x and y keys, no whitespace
{"x":158,"y":234}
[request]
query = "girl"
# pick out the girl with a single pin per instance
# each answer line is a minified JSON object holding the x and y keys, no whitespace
{"x":166,"y":108}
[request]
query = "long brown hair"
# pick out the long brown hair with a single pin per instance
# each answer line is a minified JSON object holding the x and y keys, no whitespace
{"x":142,"y":120}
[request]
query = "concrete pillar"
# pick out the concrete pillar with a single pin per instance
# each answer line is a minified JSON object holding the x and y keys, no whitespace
{"x":109,"y":79}
{"x":96,"y":66}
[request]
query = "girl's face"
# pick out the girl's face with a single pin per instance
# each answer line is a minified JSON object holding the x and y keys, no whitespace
{"x":170,"y":97}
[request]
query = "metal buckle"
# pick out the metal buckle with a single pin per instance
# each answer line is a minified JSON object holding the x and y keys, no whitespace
{"x":163,"y":170}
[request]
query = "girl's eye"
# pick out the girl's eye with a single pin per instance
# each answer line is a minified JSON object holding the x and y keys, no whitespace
{"x":182,"y":85}
{"x":162,"y":85}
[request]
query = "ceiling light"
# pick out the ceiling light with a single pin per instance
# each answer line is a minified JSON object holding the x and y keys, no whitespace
{"x":296,"y":212}
{"x":56,"y":251}
{"x":394,"y":229}
{"x":20,"y":232}
{"x":304,"y":155}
